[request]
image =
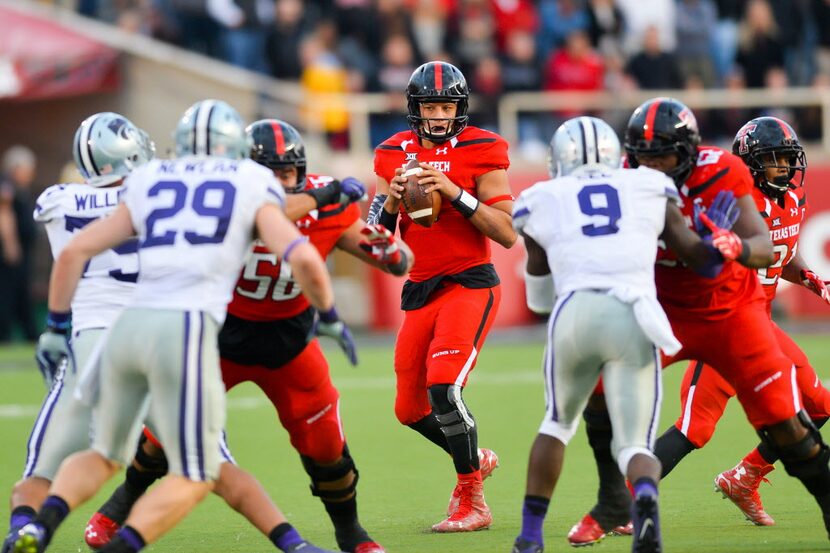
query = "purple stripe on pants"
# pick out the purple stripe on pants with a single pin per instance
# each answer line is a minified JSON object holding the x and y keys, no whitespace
{"x":39,"y":429}
{"x":551,"y":358}
{"x":183,"y":399}
{"x":200,"y":451}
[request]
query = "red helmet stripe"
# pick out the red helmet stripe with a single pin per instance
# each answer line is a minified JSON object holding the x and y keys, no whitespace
{"x":279,"y":137}
{"x":438,"y":69}
{"x":651,"y":114}
{"x":784,"y":128}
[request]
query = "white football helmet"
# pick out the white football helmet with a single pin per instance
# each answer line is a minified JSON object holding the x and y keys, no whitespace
{"x":108,"y":146}
{"x":212,"y":128}
{"x":583,"y":142}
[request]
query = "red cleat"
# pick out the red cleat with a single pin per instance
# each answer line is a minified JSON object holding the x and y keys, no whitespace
{"x":740,"y":485}
{"x":472,"y":512}
{"x":369,"y":547}
{"x":99,"y":531}
{"x":488,"y":461}
{"x":625,"y":530}
{"x":586,"y":532}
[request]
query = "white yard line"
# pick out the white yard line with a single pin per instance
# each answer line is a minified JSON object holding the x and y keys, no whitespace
{"x":520,"y":376}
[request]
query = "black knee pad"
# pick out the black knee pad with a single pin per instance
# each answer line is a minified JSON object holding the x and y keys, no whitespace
{"x":332,"y":473}
{"x":798,"y":459}
{"x":598,"y":429}
{"x":148,"y":462}
{"x":450,"y":410}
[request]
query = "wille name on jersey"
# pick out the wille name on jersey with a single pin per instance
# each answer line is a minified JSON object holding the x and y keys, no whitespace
{"x":96,"y":201}
{"x":785,"y":232}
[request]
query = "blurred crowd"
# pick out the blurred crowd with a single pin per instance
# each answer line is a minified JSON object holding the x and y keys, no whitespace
{"x":501,"y":45}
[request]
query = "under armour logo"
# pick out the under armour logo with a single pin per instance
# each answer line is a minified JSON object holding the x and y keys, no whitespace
{"x":793,"y":211}
{"x":441,"y":150}
{"x":741,"y":471}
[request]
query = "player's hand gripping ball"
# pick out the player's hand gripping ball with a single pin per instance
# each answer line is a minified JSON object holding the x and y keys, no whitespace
{"x":421,"y":207}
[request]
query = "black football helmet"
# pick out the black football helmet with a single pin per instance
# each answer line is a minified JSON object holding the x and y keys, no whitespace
{"x":437,"y":81}
{"x":277,"y":144}
{"x":770,"y":135}
{"x":664,"y":126}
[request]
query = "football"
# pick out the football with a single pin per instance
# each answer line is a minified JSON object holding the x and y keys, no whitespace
{"x":421,"y":207}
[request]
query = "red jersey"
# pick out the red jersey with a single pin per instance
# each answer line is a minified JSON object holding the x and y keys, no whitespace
{"x":784,"y":218}
{"x":452,"y":244}
{"x":266,"y":290}
{"x":678,"y":287}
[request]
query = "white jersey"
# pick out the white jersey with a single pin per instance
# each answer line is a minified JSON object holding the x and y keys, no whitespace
{"x":109,"y":278}
{"x":194,"y":217}
{"x":599,"y":229}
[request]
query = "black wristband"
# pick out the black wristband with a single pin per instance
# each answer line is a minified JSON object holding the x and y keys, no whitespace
{"x":388,"y":220}
{"x":745,"y":252}
{"x":465,"y":203}
{"x":399,"y":268}
{"x":325,"y":195}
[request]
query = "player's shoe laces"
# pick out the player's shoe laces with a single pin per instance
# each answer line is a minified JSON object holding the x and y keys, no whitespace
{"x":586,"y":532}
{"x":522,"y":545}
{"x":472,"y":512}
{"x":30,"y":539}
{"x":369,"y":547}
{"x":488,"y":461}
{"x":99,"y":531}
{"x":646,"y":526}
{"x":740,"y":485}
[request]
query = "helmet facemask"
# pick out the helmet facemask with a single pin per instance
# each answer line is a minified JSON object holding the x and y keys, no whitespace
{"x":791,"y":158}
{"x":423,"y":126}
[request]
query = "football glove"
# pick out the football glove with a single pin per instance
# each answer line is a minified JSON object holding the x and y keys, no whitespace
{"x":53,"y":351}
{"x":380,"y":244}
{"x":345,"y":192}
{"x":728,"y":244}
{"x":723,"y":213}
{"x":328,"y":323}
{"x":813,"y":282}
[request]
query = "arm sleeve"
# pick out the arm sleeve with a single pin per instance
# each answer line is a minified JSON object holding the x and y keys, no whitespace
{"x":375,"y":208}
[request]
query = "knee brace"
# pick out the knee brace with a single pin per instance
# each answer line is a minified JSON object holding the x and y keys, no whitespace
{"x":798,"y":460}
{"x":150,"y":463}
{"x":450,"y":410}
{"x":332,"y":482}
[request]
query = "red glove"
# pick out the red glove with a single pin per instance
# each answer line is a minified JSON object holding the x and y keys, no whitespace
{"x":725,"y":241}
{"x":380,"y":244}
{"x":814,"y":283}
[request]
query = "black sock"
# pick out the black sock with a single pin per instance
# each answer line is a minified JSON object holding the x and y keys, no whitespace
{"x":613,"y":498}
{"x":347,"y":529}
{"x":671,"y":448}
{"x":464,"y":451}
{"x":430,"y":428}
{"x":118,"y":506}
{"x":51,"y":515}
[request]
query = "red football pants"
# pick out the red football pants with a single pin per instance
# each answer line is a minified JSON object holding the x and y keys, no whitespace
{"x":305,"y":399}
{"x":743,"y":348}
{"x":704,"y":393}
{"x":439,"y":344}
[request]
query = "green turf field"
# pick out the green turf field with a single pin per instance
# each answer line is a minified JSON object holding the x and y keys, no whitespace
{"x":405,"y":482}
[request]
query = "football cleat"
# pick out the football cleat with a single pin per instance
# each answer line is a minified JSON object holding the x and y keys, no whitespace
{"x":624,"y":530}
{"x":740,"y":485}
{"x":472,"y":512}
{"x":30,"y":539}
{"x":369,"y":547}
{"x":646,"y":523}
{"x":522,"y":545}
{"x":8,"y":542}
{"x":586,"y":532}
{"x":99,"y":531}
{"x":488,"y":461}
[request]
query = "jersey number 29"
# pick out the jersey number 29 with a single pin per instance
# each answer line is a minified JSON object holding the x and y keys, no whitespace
{"x":221,"y":212}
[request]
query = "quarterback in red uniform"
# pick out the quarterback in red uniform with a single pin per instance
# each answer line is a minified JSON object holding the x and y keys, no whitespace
{"x":269,"y":335}
{"x":771,"y":150}
{"x":721,"y":321}
{"x":453,"y":292}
